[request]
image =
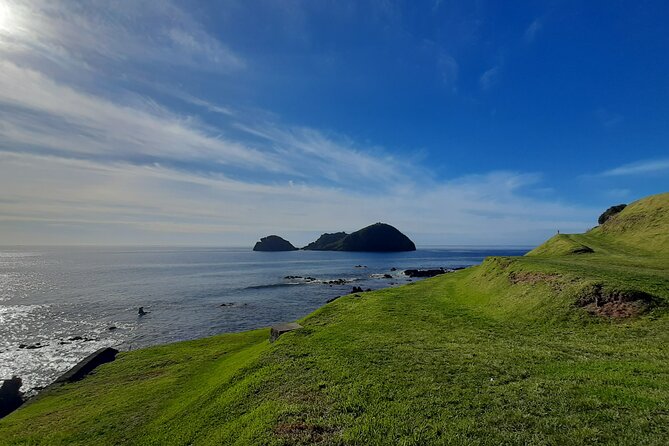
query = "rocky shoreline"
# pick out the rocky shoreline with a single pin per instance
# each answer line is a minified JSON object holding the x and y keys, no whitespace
{"x":11,"y":396}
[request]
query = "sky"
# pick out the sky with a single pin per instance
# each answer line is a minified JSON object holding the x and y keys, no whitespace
{"x":466,"y":122}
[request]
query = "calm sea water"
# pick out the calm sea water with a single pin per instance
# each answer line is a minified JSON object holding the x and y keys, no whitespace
{"x":54,"y":296}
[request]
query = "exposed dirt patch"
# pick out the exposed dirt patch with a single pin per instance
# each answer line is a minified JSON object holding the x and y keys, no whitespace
{"x":616,"y":304}
{"x":303,"y":433}
{"x":532,"y":277}
{"x":582,"y":249}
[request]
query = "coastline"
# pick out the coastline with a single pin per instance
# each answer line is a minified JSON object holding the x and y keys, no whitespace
{"x":256,"y":301}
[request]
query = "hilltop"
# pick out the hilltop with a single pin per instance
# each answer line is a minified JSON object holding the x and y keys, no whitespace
{"x":561,"y":346}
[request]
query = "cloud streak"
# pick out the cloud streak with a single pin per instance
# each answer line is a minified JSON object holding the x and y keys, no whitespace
{"x":638,"y":168}
{"x":532,"y":30}
{"x":117,"y":34}
{"x":489,"y":77}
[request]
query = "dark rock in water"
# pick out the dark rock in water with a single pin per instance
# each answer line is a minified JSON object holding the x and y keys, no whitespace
{"x":278,"y":330}
{"x":227,"y":304}
{"x":113,"y":327}
{"x":141,"y":312}
{"x":356,"y":289}
{"x":424,"y":272}
{"x":32,"y":346}
{"x":273,"y":243}
{"x":76,"y":338}
{"x":610,"y":212}
{"x":379,"y":237}
{"x":358,"y":266}
{"x":337,"y":282}
{"x":387,"y":276}
{"x":87,"y":365}
{"x":11,"y":397}
{"x":393,"y":269}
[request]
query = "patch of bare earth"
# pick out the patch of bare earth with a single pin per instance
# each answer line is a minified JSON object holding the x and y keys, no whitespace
{"x":615,"y":304}
{"x":303,"y":433}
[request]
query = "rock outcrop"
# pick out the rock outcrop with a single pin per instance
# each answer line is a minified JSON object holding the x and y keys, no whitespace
{"x":87,"y":365}
{"x":379,"y":237}
{"x":278,"y":330}
{"x":610,"y":212}
{"x":11,"y":397}
{"x":274,"y":243}
{"x":425,"y":272}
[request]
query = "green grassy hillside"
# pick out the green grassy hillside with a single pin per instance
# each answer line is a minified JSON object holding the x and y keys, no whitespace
{"x":642,"y":227}
{"x":549,"y":348}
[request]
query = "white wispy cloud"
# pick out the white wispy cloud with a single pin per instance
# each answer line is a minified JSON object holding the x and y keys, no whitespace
{"x":40,"y":112}
{"x":638,"y":168}
{"x":489,"y":77}
{"x":532,"y":30}
{"x":78,"y":149}
{"x":608,"y":118}
{"x":69,"y":35}
{"x":449,"y":69}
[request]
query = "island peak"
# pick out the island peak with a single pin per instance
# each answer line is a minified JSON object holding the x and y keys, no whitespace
{"x":274,"y":243}
{"x":379,"y":237}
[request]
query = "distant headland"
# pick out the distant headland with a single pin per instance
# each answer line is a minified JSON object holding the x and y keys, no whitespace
{"x":379,"y":237}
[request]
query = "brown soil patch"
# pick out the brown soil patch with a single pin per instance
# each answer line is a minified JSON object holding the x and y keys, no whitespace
{"x":616,"y":304}
{"x":303,"y":433}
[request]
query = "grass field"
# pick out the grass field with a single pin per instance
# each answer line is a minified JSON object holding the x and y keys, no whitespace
{"x":502,"y":353}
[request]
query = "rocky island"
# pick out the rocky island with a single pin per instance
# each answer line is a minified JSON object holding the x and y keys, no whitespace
{"x":274,"y":243}
{"x":379,"y":237}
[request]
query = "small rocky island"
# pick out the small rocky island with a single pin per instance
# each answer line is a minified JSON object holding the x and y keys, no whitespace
{"x":274,"y":243}
{"x":379,"y":237}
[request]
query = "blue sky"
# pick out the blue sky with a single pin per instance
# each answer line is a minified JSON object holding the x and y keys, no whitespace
{"x":459,"y":122}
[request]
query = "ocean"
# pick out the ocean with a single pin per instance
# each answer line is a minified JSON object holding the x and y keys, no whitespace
{"x":58,"y":304}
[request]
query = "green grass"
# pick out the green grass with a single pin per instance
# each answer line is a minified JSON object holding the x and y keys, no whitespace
{"x":495,"y":354}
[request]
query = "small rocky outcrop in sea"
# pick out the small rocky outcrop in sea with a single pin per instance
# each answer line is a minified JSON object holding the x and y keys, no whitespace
{"x":274,"y":243}
{"x":424,"y":272}
{"x":379,"y":237}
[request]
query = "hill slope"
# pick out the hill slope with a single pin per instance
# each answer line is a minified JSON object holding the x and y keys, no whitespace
{"x":508,"y":352}
{"x":641,"y":227}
